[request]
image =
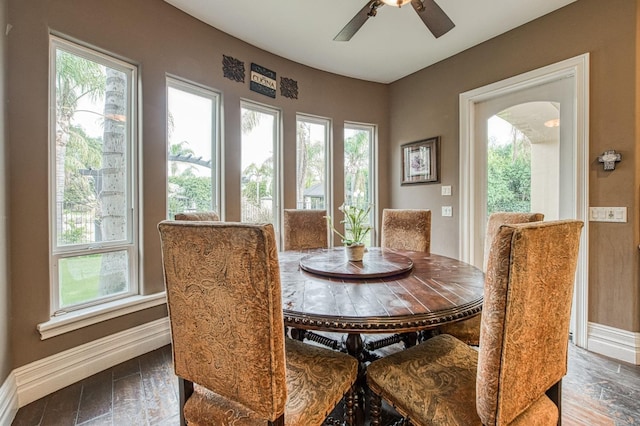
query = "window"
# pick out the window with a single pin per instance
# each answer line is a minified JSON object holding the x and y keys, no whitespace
{"x":259,"y":201}
{"x":94,"y":255}
{"x":192,"y":133}
{"x":312,"y":152}
{"x":359,"y":168}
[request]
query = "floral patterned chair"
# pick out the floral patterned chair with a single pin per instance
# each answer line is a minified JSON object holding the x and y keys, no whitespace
{"x":305,"y":229}
{"x":515,"y":377}
{"x":406,"y":229}
{"x":469,"y":330}
{"x":234,"y":364}
{"x":198,"y":216}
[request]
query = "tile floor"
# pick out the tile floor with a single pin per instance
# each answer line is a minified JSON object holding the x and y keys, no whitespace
{"x":143,"y":391}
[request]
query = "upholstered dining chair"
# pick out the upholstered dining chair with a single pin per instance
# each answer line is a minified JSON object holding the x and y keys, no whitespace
{"x":515,"y":376}
{"x":234,"y":364}
{"x":305,"y":229}
{"x":210,"y":215}
{"x":403,"y":229}
{"x":469,"y":330}
{"x":406,"y":229}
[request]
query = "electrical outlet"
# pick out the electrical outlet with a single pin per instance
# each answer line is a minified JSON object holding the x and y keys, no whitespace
{"x":446,"y":189}
{"x":447,"y":211}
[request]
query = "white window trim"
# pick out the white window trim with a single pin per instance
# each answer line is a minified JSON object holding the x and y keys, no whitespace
{"x":328,"y":153}
{"x":81,"y":318}
{"x":131,"y":245}
{"x":216,"y":150}
{"x":277,"y":158}
{"x":373,"y":176}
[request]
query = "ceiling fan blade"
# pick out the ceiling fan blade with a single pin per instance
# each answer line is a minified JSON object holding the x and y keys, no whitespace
{"x":358,"y":21}
{"x":433,"y":17}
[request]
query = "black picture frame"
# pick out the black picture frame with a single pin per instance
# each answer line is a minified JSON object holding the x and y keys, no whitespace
{"x":420,"y":161}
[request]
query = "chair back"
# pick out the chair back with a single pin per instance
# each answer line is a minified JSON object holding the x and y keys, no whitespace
{"x":198,"y":216}
{"x":225,"y":310}
{"x":504,"y":218}
{"x":525,"y":318}
{"x":406,"y":229}
{"x":305,"y":229}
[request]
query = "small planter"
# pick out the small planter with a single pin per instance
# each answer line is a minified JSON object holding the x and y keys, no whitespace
{"x":355,"y":252}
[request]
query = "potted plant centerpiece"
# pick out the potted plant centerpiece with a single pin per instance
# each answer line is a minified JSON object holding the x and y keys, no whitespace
{"x":356,"y":224}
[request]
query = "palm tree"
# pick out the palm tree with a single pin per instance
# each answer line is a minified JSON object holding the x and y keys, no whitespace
{"x":76,"y":78}
{"x":177,"y":150}
{"x":113,"y":196}
{"x":250,"y":120}
{"x":356,"y":166}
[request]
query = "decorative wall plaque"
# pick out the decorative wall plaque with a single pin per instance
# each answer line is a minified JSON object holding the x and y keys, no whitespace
{"x":263,"y":81}
{"x":233,"y":69}
{"x":609,"y":159}
{"x":288,"y":88}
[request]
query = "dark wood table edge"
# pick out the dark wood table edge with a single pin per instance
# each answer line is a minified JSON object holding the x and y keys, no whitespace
{"x":401,"y":324}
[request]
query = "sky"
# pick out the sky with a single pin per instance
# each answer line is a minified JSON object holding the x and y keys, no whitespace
{"x":192,"y":116}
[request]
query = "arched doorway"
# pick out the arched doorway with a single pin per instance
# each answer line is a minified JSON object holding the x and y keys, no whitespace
{"x":558,"y":147}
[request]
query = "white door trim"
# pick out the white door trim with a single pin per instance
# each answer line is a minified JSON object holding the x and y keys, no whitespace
{"x":577,"y":68}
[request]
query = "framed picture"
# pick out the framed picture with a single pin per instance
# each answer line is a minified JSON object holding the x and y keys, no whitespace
{"x":420,"y":161}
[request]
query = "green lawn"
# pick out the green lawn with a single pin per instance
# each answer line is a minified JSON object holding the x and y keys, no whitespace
{"x":79,"y":278}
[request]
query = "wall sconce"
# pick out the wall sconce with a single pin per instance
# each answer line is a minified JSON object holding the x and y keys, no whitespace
{"x":609,"y":159}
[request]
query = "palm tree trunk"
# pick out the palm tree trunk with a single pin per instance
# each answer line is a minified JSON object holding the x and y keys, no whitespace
{"x":113,"y":274}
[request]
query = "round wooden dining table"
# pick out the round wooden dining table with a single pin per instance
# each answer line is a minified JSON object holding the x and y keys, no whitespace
{"x":390,"y":291}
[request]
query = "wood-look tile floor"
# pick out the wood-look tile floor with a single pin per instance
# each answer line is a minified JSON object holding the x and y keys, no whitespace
{"x":143,"y":391}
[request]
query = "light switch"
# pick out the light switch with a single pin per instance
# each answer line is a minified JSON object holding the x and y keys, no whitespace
{"x":608,"y":214}
{"x":446,"y":189}
{"x":447,"y":211}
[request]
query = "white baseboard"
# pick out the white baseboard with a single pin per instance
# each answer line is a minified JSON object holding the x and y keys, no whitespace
{"x":45,"y":376}
{"x":615,"y":343}
{"x":8,"y":400}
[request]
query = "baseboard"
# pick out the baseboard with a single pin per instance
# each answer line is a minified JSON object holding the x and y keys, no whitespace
{"x":8,"y":400}
{"x":615,"y":343}
{"x":45,"y":376}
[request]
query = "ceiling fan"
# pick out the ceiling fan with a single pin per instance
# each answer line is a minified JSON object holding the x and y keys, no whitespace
{"x":431,"y":14}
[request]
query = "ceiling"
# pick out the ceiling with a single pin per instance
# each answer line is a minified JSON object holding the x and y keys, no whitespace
{"x":389,"y":46}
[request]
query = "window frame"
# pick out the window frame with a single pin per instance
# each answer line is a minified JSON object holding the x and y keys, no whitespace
{"x":328,"y":155}
{"x":130,"y":244}
{"x":372,"y":129}
{"x":277,"y":156}
{"x":216,"y":136}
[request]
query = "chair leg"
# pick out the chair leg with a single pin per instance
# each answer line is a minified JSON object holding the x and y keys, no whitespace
{"x":375,"y":409}
{"x":555,"y":394}
{"x":277,"y":422}
{"x":185,"y":388}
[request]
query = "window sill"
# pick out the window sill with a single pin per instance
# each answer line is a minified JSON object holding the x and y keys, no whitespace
{"x":89,"y":316}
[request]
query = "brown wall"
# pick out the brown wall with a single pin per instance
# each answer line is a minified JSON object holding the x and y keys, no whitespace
{"x":161,"y":40}
{"x":5,"y":355}
{"x":426,"y":104}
